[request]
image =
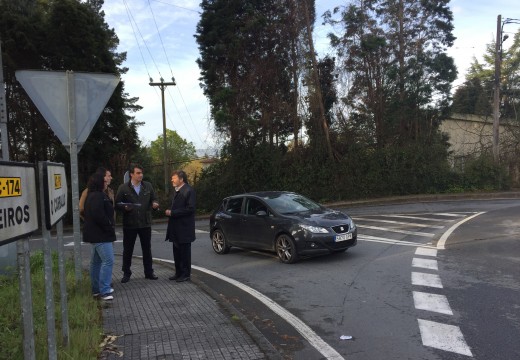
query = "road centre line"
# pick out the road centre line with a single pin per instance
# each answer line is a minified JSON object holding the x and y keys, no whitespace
{"x":314,"y":339}
{"x":431,"y":302}
{"x":425,"y":263}
{"x":442,"y":241}
{"x":444,"y":337}
{"x":417,"y":233}
{"x":429,"y":280}
{"x":401,"y":223}
{"x":391,"y":241}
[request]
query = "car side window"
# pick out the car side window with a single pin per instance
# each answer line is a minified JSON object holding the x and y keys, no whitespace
{"x":233,"y":206}
{"x":253,"y":206}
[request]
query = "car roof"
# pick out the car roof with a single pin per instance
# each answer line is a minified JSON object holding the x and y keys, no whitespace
{"x":262,"y":194}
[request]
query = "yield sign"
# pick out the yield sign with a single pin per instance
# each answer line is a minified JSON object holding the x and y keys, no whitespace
{"x":49,"y":90}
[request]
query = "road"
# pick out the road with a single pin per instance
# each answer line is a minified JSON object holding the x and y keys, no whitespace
{"x":398,"y":293}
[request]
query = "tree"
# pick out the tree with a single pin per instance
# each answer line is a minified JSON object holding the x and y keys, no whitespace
{"x":249,"y":60}
{"x":179,"y":152}
{"x":394,"y":54}
{"x":64,"y":35}
{"x":475,"y":96}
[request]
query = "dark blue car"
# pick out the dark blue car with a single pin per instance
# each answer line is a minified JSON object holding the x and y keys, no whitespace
{"x":283,"y":222}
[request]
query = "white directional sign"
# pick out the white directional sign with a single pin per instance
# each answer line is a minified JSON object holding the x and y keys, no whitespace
{"x":54,"y":192}
{"x":18,"y":206}
{"x":49,"y":92}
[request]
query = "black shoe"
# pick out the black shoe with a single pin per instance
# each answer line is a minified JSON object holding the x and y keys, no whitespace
{"x":125,"y":279}
{"x":151,"y":277}
{"x":184,"y":278}
{"x":174,"y":277}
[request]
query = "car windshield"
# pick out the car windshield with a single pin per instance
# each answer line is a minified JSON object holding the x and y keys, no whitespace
{"x":290,"y":203}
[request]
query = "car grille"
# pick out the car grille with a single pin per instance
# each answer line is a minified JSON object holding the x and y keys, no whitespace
{"x":340,"y":229}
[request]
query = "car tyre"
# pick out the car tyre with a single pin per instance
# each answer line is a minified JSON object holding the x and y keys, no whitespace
{"x":286,"y":249}
{"x":219,"y":243}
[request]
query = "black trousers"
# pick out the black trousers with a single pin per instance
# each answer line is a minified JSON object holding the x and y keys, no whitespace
{"x":145,"y":237}
{"x":182,"y":258}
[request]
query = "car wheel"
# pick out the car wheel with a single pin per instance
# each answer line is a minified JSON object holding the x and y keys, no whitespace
{"x":218,"y":241}
{"x":286,"y":249}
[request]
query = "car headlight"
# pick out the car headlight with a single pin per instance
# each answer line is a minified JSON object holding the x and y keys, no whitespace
{"x":315,"y":229}
{"x":352,"y":225}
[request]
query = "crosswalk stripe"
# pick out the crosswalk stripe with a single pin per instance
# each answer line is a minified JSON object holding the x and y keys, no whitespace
{"x":443,"y":336}
{"x":401,"y":223}
{"x":425,"y":263}
{"x":417,"y":233}
{"x":426,"y":251}
{"x":431,"y":302}
{"x":423,"y":279}
{"x":417,"y":218}
{"x":390,"y":241}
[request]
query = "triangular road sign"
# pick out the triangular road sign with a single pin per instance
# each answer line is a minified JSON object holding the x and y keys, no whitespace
{"x":49,"y":92}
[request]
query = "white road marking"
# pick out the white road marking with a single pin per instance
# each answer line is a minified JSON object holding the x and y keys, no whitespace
{"x":442,"y":241}
{"x":390,"y":241}
{"x":432,"y":302}
{"x":425,"y":263}
{"x":452,"y":214}
{"x":317,"y":342}
{"x":201,"y":231}
{"x":426,"y":251}
{"x":417,"y":233}
{"x":84,"y":243}
{"x":417,"y":218}
{"x":423,"y":279}
{"x":444,"y":337}
{"x":401,"y":223}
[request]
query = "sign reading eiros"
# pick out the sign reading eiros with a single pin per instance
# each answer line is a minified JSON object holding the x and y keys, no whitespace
{"x":18,"y":206}
{"x":55,"y":192}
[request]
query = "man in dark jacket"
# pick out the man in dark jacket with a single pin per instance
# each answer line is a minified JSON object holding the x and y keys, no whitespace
{"x":181,"y":225}
{"x":136,"y":199}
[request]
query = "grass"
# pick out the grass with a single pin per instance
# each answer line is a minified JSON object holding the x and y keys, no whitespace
{"x":84,"y":315}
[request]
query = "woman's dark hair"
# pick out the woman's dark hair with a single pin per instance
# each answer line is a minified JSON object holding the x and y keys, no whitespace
{"x":96,"y":182}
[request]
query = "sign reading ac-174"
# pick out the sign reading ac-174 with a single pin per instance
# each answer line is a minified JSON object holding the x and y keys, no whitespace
{"x":18,"y":206}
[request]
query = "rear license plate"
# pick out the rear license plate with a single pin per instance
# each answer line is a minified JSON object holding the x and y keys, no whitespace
{"x":343,"y":237}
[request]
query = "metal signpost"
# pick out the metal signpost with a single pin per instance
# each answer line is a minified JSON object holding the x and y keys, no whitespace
{"x":18,"y":219}
{"x":53,"y":197}
{"x":71,"y":103}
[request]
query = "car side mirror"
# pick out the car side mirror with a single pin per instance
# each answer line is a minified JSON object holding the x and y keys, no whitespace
{"x":261,"y":213}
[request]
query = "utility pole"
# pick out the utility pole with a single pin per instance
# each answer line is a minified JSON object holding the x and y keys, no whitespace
{"x":162,"y":85}
{"x":496,"y":95}
{"x":498,"y":67}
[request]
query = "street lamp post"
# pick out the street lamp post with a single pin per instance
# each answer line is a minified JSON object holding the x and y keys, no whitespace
{"x":162,"y":85}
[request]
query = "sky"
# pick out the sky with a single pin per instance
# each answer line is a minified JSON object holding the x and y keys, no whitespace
{"x":158,"y":37}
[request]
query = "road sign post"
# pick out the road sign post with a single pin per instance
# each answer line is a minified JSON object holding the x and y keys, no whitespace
{"x":18,"y":219}
{"x":71,"y":103}
{"x":53,"y":192}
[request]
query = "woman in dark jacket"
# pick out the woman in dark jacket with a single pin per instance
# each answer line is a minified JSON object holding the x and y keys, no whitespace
{"x":99,"y":230}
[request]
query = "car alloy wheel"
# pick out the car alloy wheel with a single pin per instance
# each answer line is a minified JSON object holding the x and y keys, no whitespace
{"x":286,"y":249}
{"x":218,"y":241}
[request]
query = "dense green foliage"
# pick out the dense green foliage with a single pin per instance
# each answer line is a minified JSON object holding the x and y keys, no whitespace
{"x":64,"y":35}
{"x":85,"y":325}
{"x":383,"y":97}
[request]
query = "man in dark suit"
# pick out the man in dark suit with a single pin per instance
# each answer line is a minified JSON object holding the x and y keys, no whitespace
{"x":181,"y":225}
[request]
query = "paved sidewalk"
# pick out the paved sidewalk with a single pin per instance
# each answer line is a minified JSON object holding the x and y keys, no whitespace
{"x":163,"y":319}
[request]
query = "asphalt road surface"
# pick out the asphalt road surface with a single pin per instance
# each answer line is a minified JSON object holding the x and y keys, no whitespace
{"x":425,"y":281}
